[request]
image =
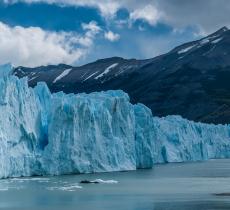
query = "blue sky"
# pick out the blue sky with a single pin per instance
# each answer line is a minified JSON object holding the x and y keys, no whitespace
{"x":41,"y":32}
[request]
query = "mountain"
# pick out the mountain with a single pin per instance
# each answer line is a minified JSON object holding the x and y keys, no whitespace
{"x":191,"y":80}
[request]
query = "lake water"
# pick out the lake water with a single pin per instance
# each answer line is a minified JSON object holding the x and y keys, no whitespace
{"x":169,"y":186}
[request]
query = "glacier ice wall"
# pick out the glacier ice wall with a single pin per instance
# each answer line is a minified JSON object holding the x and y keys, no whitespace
{"x":20,"y":128}
{"x":174,"y":139}
{"x":90,"y":133}
{"x":43,"y":133}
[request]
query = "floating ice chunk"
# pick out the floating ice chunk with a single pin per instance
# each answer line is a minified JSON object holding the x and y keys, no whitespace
{"x":4,"y":189}
{"x":69,"y":188}
{"x":30,"y":179}
{"x":105,"y":181}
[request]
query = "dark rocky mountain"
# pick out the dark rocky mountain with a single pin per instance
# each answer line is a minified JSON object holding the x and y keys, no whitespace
{"x":192,"y":80}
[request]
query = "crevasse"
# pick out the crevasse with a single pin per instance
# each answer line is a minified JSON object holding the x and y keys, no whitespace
{"x":51,"y":134}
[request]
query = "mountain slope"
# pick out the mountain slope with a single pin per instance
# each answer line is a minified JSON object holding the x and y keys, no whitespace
{"x":192,"y":80}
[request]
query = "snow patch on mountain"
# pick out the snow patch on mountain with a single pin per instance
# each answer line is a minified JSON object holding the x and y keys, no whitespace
{"x":217,"y":40}
{"x":21,"y":71}
{"x":63,"y":74}
{"x":186,"y":49}
{"x":107,"y":70}
{"x":204,"y":41}
{"x":32,"y":78}
{"x":91,"y":75}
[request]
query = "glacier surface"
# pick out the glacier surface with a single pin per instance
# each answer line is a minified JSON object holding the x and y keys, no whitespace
{"x":51,"y":134}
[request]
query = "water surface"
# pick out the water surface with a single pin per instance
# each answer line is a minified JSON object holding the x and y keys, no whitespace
{"x":200,"y":185}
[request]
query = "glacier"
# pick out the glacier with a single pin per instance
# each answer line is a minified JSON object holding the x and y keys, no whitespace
{"x":53,"y":134}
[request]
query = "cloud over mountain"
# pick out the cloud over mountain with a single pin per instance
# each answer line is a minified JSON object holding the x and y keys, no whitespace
{"x":34,"y":46}
{"x":93,"y":29}
{"x":208,"y":15}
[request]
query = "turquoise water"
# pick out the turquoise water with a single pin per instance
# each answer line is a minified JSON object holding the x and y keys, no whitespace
{"x":169,"y":186}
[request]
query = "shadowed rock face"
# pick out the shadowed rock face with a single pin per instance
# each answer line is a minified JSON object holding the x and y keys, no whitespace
{"x":192,"y":80}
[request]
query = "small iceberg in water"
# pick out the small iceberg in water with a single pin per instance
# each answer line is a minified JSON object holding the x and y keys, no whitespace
{"x":97,"y":181}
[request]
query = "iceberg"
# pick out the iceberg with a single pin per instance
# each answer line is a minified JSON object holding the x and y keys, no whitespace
{"x":52,"y":134}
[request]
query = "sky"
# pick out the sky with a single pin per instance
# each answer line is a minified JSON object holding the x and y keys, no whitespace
{"x":43,"y":32}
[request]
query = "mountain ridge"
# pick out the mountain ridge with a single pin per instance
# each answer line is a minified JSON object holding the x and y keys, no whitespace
{"x":191,"y":80}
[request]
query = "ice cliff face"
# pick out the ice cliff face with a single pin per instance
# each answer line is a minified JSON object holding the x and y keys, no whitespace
{"x":174,"y":139}
{"x":89,"y":133}
{"x":20,"y":127}
{"x":44,"y":133}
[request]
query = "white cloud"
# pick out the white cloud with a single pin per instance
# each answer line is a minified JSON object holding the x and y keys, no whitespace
{"x":111,"y":36}
{"x":92,"y":29}
{"x":34,"y":46}
{"x":148,"y":13}
{"x":107,"y":7}
{"x":91,"y":26}
{"x":206,"y":15}
{"x":144,"y":9}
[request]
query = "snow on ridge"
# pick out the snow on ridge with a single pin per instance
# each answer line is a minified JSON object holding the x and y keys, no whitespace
{"x":210,"y":39}
{"x":107,"y":70}
{"x":204,"y":41}
{"x":124,"y":68}
{"x":63,"y":74}
{"x":32,"y":78}
{"x":90,"y":76}
{"x":217,"y":40}
{"x":20,"y":70}
{"x":186,"y":49}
